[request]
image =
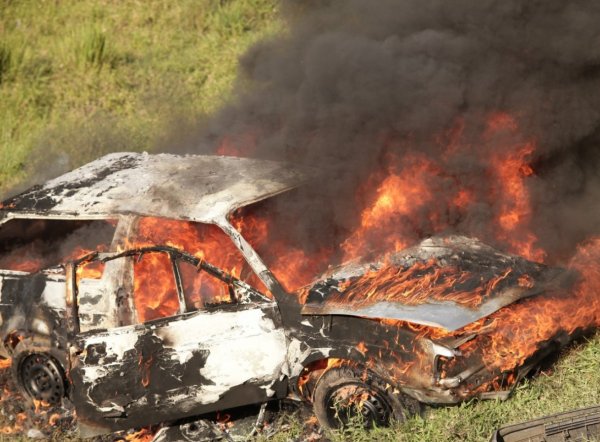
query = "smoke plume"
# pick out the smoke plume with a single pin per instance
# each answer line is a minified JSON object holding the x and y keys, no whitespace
{"x":355,"y":87}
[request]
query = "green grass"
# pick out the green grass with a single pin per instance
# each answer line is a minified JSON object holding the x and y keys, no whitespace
{"x":82,"y":78}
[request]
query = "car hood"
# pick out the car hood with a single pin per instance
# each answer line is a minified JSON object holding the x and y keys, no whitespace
{"x":446,"y":282}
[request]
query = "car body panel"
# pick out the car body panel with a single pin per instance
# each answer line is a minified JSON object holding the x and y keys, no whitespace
{"x":579,"y":425}
{"x":198,"y":188}
{"x":481,"y":264}
{"x":176,"y":367}
{"x":182,"y":365}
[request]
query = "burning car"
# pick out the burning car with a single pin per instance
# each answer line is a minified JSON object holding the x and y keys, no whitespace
{"x":136,"y":330}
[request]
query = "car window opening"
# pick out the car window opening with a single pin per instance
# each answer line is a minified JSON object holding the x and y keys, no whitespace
{"x":154,"y":289}
{"x":202,"y":289}
{"x":30,"y":245}
{"x":205,"y":241}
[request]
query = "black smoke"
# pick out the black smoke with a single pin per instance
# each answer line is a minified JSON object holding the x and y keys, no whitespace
{"x":353,"y":81}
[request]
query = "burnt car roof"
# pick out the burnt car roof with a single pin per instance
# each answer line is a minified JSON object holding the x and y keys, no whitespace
{"x":453,"y":267}
{"x":188,"y":187}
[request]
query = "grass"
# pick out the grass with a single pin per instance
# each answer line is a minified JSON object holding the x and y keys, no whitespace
{"x":82,"y":78}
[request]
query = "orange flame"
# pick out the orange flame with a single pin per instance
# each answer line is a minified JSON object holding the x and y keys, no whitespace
{"x":420,"y":282}
{"x":400,"y":194}
{"x":155,"y":293}
{"x":143,"y":435}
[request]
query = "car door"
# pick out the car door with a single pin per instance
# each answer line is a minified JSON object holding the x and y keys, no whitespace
{"x":195,"y":346}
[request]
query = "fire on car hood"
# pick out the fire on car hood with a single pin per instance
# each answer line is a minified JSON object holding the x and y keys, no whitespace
{"x":198,"y":188}
{"x":434,"y":284}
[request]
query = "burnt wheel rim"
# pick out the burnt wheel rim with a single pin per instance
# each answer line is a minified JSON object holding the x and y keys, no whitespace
{"x":355,"y":401}
{"x":41,"y":377}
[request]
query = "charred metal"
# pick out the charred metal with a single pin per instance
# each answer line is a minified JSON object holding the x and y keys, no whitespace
{"x":120,"y":371}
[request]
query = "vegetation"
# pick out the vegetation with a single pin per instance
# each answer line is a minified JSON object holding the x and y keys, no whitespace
{"x":81,"y":78}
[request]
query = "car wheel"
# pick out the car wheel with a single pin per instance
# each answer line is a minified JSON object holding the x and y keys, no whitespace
{"x":38,"y":373}
{"x":345,"y":394}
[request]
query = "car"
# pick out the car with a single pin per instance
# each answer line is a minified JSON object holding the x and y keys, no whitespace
{"x":134,"y":328}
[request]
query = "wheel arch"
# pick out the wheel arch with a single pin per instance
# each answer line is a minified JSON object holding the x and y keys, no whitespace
{"x":314,"y":366}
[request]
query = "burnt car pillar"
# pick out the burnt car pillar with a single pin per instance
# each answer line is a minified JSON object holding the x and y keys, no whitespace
{"x":288,"y":305}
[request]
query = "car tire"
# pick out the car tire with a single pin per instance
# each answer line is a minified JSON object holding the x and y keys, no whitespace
{"x":38,"y":371}
{"x":345,"y":393}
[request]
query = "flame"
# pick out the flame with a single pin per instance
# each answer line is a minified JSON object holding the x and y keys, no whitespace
{"x":397,"y":205}
{"x":143,"y":435}
{"x":313,"y":372}
{"x":90,"y":270}
{"x":40,"y":405}
{"x":406,"y":204}
{"x":406,"y":196}
{"x":17,"y":427}
{"x":293,"y":267}
{"x":224,"y":421}
{"x":311,"y":421}
{"x":145,"y":365}
{"x":39,"y":253}
{"x":507,"y":338}
{"x":362,"y":348}
{"x":155,"y":292}
{"x":516,"y":339}
{"x":242,"y":145}
{"x":401,"y":193}
{"x":54,"y":418}
{"x":418,"y":283}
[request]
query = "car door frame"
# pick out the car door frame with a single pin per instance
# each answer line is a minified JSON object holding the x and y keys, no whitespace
{"x":87,"y":355}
